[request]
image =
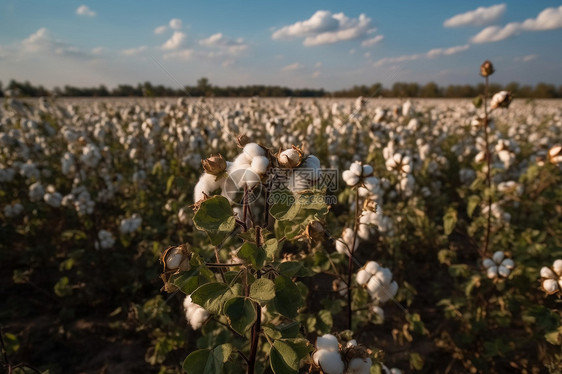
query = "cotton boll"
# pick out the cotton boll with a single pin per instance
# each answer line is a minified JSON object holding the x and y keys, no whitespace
{"x":356,"y":168}
{"x":547,"y":273}
{"x":492,"y":272}
{"x":311,"y":162}
{"x":373,"y":285}
{"x":372,"y":267}
{"x":327,"y":342}
{"x":350,"y":178}
{"x":384,"y":275}
{"x":378,"y":311}
{"x":351,"y":343}
{"x":250,"y":178}
{"x":498,"y":257}
{"x":363,"y":276}
{"x":260,"y":164}
{"x":386,"y":293}
{"x":198,"y":317}
{"x":359,"y":365}
{"x":367,"y":170}
{"x":252,"y":150}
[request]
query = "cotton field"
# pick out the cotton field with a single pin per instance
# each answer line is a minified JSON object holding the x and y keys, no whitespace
{"x":435,"y":248}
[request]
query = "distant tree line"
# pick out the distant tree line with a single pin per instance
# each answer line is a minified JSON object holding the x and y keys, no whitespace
{"x":204,"y":88}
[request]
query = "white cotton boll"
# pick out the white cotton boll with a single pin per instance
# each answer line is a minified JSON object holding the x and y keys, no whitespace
{"x":253,"y":150}
{"x":498,"y":257}
{"x":241,"y":161}
{"x":364,"y":232}
{"x":351,"y":343}
{"x":372,"y":267}
{"x":363,"y":276}
{"x":508,"y":263}
{"x":53,"y":199}
{"x":327,"y":342}
{"x":341,"y":247}
{"x":311,"y":162}
{"x":557,"y":266}
{"x":330,"y":362}
{"x":492,"y":272}
{"x":260,"y":164}
{"x":550,"y":285}
{"x":488,"y":263}
{"x":373,"y":285}
{"x":395,"y":371}
{"x":378,"y":311}
{"x":388,"y":292}
{"x":547,"y":273}
{"x":198,"y":317}
{"x":356,"y":168}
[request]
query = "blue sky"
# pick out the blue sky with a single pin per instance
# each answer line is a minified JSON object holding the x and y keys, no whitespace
{"x":319,"y":44}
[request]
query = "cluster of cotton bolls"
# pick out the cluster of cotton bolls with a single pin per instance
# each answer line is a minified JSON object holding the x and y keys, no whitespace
{"x":195,"y":314}
{"x":131,"y":224}
{"x":551,"y":277}
{"x":106,"y":240}
{"x":498,"y":266}
{"x":52,"y":197}
{"x":332,"y":358}
{"x":13,"y":210}
{"x":378,"y":281}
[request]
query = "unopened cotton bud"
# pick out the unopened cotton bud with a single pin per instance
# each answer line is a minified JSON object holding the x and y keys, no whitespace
{"x":498,"y":257}
{"x":327,"y":342}
{"x":290,"y":158}
{"x":486,"y":69}
{"x":547,"y":273}
{"x":242,"y":140}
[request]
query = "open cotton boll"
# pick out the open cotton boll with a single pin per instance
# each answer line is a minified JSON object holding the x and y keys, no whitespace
{"x":327,"y":342}
{"x":260,"y":164}
{"x":508,"y":263}
{"x":351,"y":343}
{"x":311,"y":162}
{"x":372,"y":267}
{"x":384,"y":275}
{"x":241,"y":161}
{"x":252,"y":150}
{"x":206,"y":185}
{"x":498,"y":257}
{"x":550,"y":285}
{"x":503,"y":271}
{"x":356,"y":168}
{"x":367,"y":170}
{"x":198,"y":317}
{"x":330,"y":362}
{"x":386,"y":293}
{"x":492,"y":272}
{"x":488,"y":263}
{"x":359,"y":365}
{"x":350,"y":178}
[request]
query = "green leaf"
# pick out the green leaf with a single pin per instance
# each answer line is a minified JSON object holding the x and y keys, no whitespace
{"x":170,"y":183}
{"x":459,"y":270}
{"x":196,"y":361}
{"x":554,"y":337}
{"x":324,"y":322}
{"x":241,"y":314}
{"x":283,"y":358}
{"x":212,"y":296}
{"x":449,"y":221}
{"x":272,"y":332}
{"x":272,"y":247}
{"x":294,"y":269}
{"x":252,"y":254}
{"x":216,"y":218}
{"x":289,"y":330}
{"x":262,"y":290}
{"x":416,"y":361}
{"x":62,"y":287}
{"x":287,"y":296}
{"x":473,"y":202}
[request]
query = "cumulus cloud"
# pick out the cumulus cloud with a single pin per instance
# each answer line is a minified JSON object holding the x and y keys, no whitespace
{"x":479,"y":17}
{"x":175,"y":41}
{"x":526,"y":58}
{"x":218,"y":40}
{"x":84,"y":10}
{"x":160,"y":30}
{"x":292,"y":67}
{"x":548,"y":19}
{"x":185,"y":54}
{"x":175,"y":23}
{"x":325,"y":28}
{"x":372,"y":41}
{"x":134,"y":51}
{"x":436,"y":52}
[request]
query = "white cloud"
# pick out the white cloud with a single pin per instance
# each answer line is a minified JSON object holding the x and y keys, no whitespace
{"x":185,"y":54}
{"x":98,"y":51}
{"x":548,"y":19}
{"x":134,"y":51}
{"x":84,"y":10}
{"x":373,"y":41}
{"x":175,"y":23}
{"x":292,"y":67}
{"x":233,"y":46}
{"x":525,"y":58}
{"x":318,"y":65}
{"x":429,"y":54}
{"x":176,"y":41}
{"x":316,"y":74}
{"x":325,"y":28}
{"x":160,"y":30}
{"x":479,"y":17}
